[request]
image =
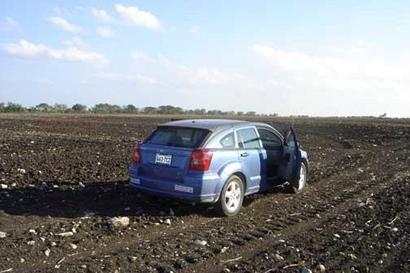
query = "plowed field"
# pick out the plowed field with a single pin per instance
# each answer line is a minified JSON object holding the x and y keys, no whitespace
{"x":68,"y":173}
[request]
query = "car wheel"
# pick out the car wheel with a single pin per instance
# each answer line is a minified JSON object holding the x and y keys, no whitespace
{"x":231,"y":198}
{"x":299,"y":184}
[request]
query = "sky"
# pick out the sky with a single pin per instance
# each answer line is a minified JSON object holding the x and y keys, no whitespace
{"x":317,"y":58}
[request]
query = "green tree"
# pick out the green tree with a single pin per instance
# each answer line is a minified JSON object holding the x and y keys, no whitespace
{"x":13,"y":107}
{"x":43,"y":107}
{"x":130,"y":108}
{"x":214,"y":112}
{"x":169,"y":109}
{"x":106,"y":108}
{"x":200,"y":111}
{"x":150,"y":110}
{"x":79,"y":107}
{"x":59,"y":107}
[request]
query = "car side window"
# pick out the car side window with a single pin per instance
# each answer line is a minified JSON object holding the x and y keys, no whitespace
{"x":228,"y":141}
{"x":247,"y":138}
{"x":269,"y":139}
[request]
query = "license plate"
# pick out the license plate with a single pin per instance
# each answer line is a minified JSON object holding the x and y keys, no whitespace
{"x":163,"y":159}
{"x":183,"y":188}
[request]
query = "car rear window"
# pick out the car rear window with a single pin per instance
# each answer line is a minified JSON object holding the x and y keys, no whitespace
{"x":178,"y":136}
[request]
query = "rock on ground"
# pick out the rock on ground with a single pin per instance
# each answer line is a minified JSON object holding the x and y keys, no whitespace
{"x":118,"y":222}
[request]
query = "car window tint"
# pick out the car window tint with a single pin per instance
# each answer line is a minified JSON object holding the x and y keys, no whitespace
{"x":269,"y":139}
{"x":247,"y":138}
{"x":228,"y":141}
{"x":178,"y":137}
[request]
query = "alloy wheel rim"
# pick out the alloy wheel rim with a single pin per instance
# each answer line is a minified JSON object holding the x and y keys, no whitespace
{"x":232,"y":196}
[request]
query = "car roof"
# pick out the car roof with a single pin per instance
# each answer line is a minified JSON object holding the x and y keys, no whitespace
{"x":212,"y":124}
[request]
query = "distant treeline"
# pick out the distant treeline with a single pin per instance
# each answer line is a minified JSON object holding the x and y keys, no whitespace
{"x":11,"y":107}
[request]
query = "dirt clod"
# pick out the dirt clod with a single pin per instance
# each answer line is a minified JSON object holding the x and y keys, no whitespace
{"x":119,"y":222}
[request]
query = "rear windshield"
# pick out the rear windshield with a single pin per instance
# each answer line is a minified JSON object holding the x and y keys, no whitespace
{"x":178,"y":137}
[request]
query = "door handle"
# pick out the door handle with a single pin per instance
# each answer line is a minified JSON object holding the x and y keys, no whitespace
{"x":244,"y":154}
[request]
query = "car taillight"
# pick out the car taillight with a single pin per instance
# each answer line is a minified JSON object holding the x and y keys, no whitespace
{"x":200,"y":160}
{"x":136,"y":157}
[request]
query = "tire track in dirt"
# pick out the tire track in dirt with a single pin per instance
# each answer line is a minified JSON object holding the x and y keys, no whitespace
{"x":20,"y":235}
{"x":297,"y":223}
{"x":352,"y":244}
{"x":303,"y":225}
{"x":177,"y":257}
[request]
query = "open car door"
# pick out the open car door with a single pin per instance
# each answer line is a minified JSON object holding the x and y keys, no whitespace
{"x":292,"y":158}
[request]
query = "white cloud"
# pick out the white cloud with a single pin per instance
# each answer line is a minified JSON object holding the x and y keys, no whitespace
{"x":175,"y":73}
{"x":326,"y":67}
{"x":291,"y":61}
{"x":195,"y":29}
{"x":203,"y":75}
{"x":362,"y":85}
{"x":7,"y":23}
{"x":140,"y":57}
{"x":63,"y":24}
{"x":134,"y":16}
{"x":104,"y":32}
{"x":139,"y":78}
{"x":102,"y":15}
{"x":75,"y":42}
{"x":25,"y":49}
{"x":62,"y":12}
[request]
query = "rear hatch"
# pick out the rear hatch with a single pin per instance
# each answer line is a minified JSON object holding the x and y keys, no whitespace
{"x":167,"y":152}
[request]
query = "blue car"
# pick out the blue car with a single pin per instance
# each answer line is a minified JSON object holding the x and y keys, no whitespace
{"x":217,"y":161}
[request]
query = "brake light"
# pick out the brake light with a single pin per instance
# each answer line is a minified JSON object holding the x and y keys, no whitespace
{"x":200,"y":160}
{"x":136,"y":158}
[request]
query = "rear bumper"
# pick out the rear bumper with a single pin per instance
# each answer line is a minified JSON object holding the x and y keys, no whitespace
{"x":197,"y":188}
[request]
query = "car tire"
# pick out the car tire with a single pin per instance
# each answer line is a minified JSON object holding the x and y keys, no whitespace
{"x":299,"y":184}
{"x":231,"y":197}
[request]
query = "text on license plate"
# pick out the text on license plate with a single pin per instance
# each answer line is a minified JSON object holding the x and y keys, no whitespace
{"x":183,"y":188}
{"x":163,"y":159}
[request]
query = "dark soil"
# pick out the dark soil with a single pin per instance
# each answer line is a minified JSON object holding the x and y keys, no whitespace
{"x":69,"y":173}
